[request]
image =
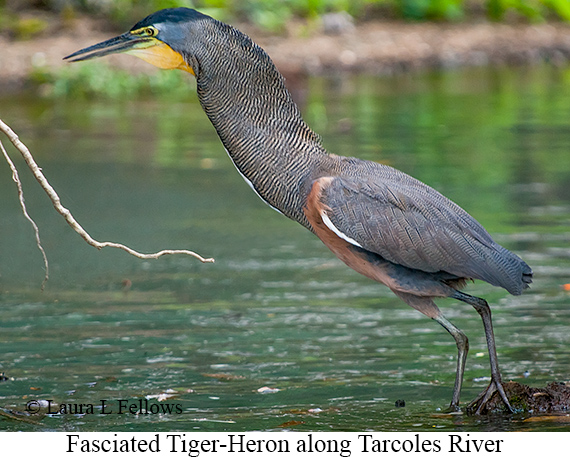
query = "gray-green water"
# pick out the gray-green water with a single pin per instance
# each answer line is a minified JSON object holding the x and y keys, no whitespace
{"x":277,"y":309}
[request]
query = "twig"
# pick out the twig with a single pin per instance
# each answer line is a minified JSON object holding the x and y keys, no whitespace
{"x":16,"y":179}
{"x":11,"y":416}
{"x":54,"y":197}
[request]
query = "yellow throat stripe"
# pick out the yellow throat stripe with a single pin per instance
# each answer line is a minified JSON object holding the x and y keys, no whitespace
{"x":162,"y":56}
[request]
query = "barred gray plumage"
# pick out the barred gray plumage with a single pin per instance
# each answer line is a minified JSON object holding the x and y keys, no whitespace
{"x":263,"y":131}
{"x":381,"y":222}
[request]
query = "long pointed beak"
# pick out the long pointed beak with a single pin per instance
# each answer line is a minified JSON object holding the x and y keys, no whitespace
{"x":122,"y":43}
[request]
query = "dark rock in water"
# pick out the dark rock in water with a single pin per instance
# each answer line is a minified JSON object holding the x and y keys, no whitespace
{"x":555,"y":397}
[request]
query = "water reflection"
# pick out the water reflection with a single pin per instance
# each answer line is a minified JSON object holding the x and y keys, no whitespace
{"x":276,"y":310}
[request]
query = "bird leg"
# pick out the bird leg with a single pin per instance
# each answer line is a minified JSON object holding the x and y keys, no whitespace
{"x":462,"y":348}
{"x":484,"y":311}
{"x":426,"y":306}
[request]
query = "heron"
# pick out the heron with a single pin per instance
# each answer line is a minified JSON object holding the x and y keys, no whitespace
{"x":381,"y":222}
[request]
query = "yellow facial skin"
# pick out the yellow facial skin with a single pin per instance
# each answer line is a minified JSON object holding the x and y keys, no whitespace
{"x":162,"y":56}
{"x":158,"y":53}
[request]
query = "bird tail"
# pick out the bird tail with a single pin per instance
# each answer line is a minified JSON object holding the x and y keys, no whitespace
{"x":516,"y":274}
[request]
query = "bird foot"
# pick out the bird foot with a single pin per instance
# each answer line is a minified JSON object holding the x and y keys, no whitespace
{"x":478,"y":405}
{"x":453,"y":409}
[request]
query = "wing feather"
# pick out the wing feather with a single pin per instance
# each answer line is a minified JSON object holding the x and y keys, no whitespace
{"x":411,"y":224}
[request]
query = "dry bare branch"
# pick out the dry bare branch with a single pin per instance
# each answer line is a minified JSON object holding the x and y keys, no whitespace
{"x":16,"y":179}
{"x":54,"y":197}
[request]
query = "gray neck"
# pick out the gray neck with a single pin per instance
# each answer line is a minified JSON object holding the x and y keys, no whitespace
{"x":260,"y":126}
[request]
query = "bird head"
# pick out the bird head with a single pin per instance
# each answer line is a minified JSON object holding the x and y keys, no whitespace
{"x":158,"y":39}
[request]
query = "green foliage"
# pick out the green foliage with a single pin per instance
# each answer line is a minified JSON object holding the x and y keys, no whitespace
{"x":496,"y":9}
{"x":430,"y":9}
{"x":95,"y":79}
{"x":533,"y":10}
{"x":25,"y":29}
{"x":560,"y":7}
{"x":127,"y":11}
{"x":21,"y":28}
{"x":275,"y":14}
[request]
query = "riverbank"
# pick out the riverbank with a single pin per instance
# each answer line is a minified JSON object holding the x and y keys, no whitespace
{"x":375,"y":47}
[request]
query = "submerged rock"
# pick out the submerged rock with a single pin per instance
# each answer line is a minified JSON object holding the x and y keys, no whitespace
{"x":555,"y":397}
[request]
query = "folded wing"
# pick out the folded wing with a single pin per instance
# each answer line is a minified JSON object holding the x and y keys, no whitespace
{"x":411,"y":224}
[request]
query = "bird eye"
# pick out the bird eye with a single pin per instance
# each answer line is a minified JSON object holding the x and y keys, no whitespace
{"x":146,"y":31}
